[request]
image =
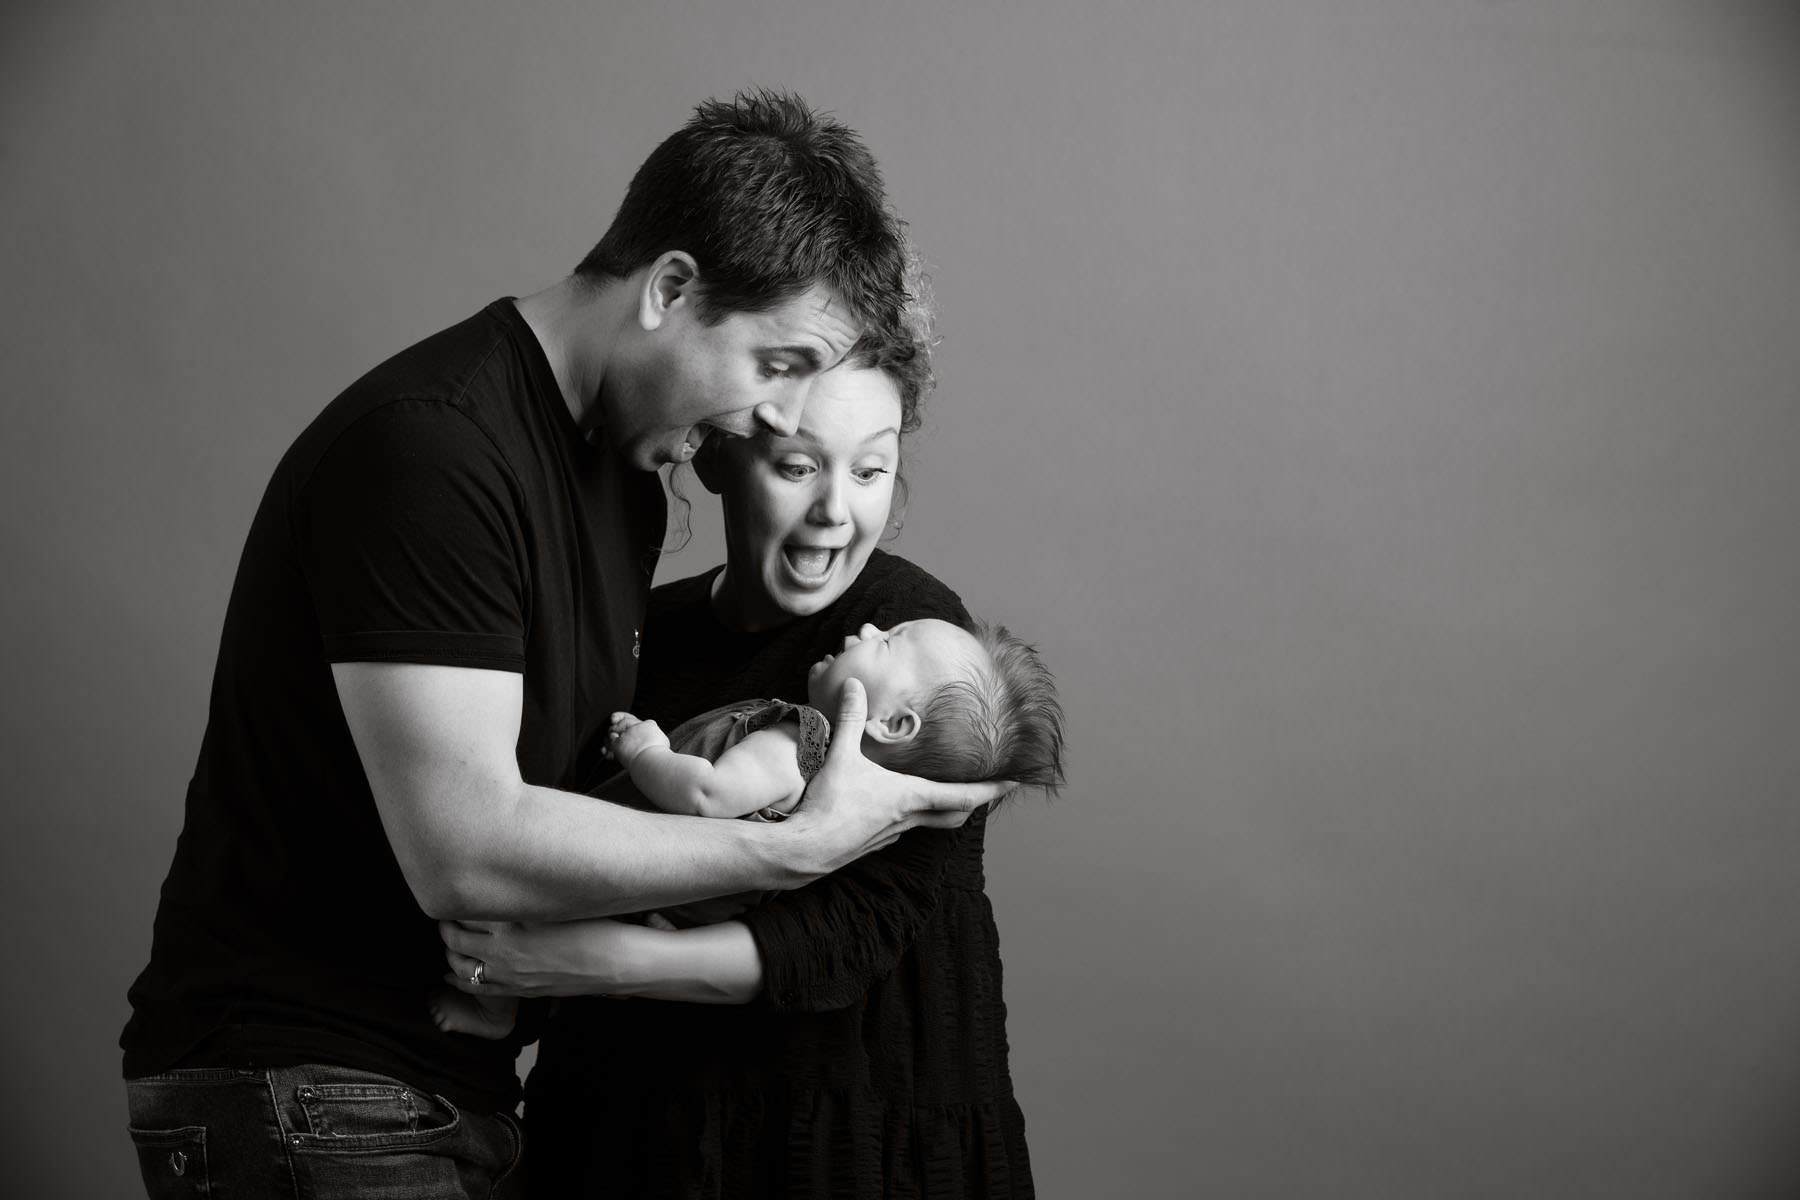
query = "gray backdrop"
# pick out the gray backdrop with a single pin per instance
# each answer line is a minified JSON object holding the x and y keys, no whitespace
{"x":1382,"y":412}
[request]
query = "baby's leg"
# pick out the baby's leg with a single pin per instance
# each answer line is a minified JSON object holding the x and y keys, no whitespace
{"x":479,"y":1016}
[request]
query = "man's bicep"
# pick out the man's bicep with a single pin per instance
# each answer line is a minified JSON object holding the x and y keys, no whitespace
{"x":439,"y":747}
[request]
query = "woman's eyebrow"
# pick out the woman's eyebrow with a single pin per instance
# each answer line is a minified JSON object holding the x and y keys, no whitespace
{"x":803,"y":434}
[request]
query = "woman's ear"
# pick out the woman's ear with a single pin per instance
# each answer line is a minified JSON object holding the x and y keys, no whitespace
{"x":893,"y":729}
{"x":669,"y":284}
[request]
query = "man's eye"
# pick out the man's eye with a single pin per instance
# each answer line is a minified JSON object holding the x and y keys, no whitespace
{"x":774,"y":370}
{"x":794,"y":470}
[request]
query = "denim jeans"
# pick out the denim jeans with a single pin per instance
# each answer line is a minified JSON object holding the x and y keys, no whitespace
{"x":315,"y":1131}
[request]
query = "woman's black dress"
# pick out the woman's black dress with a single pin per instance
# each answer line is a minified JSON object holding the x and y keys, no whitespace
{"x":875,"y":1062}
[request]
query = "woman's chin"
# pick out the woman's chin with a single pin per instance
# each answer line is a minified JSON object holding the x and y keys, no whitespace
{"x":802,"y":596}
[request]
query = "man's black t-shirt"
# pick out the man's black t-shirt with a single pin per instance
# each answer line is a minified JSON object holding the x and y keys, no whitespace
{"x":444,"y":509}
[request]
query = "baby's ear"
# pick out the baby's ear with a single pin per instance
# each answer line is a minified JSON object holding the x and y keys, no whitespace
{"x":895,"y":728}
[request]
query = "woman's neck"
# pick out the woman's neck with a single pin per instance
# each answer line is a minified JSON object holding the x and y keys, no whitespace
{"x":729,"y":609}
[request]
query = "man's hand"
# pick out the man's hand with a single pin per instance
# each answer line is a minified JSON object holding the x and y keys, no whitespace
{"x":854,"y":806}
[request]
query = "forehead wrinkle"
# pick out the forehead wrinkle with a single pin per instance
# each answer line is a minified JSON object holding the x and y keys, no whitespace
{"x":812,"y":436}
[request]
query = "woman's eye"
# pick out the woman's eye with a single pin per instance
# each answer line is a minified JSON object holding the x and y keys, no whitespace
{"x":868,"y":474}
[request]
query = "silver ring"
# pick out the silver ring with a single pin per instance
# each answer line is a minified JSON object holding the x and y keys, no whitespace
{"x":477,"y":976}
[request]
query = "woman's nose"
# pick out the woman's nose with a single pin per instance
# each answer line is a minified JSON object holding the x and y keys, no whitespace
{"x":829,"y":505}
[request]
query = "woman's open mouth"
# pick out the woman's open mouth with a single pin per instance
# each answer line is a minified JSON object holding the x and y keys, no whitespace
{"x":810,"y":564}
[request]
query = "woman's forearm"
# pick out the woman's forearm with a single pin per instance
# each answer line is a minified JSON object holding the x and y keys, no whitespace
{"x":708,"y":964}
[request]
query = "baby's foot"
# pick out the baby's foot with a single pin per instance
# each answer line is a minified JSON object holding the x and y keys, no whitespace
{"x":456,"y":1012}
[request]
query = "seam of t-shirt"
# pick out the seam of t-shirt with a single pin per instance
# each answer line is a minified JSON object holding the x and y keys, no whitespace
{"x":423,"y":646}
{"x":453,"y":400}
{"x":457,"y":400}
{"x":451,"y":404}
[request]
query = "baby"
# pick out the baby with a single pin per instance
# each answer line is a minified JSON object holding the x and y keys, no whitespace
{"x":944,"y":702}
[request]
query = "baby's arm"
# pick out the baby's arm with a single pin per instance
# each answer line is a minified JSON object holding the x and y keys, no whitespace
{"x":762,"y":771}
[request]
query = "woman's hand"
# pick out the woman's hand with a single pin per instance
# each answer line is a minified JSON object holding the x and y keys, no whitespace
{"x":550,"y":958}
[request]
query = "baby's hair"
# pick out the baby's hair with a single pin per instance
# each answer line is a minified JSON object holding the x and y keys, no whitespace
{"x":1002,"y":721}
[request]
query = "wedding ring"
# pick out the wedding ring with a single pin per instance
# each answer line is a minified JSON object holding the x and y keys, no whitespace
{"x":477,"y":977}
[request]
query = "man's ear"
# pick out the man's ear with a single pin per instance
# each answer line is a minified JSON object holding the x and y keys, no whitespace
{"x":669,"y":284}
{"x":893,"y":729}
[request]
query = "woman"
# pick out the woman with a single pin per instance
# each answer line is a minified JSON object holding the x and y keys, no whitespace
{"x":861,"y":1046}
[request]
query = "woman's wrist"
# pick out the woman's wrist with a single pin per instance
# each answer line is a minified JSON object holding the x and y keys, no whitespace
{"x":625,"y":965}
{"x":708,"y":964}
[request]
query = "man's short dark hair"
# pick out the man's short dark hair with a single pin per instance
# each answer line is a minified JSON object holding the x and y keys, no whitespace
{"x":770,"y":198}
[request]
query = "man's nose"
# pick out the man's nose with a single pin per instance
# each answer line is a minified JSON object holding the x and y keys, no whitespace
{"x":782,"y":417}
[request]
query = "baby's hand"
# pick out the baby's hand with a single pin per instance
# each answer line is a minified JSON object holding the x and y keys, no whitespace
{"x":630,"y":737}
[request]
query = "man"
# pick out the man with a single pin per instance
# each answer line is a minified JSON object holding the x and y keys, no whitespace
{"x":436,"y":610}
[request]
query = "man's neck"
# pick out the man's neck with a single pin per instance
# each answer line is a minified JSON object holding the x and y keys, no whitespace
{"x":573,"y":321}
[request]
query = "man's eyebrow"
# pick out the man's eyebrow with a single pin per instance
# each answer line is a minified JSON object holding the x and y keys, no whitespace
{"x":809,"y":355}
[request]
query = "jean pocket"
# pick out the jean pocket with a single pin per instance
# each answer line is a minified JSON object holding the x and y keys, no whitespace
{"x":379,"y":1140}
{"x":372,"y":1115}
{"x":172,"y":1161}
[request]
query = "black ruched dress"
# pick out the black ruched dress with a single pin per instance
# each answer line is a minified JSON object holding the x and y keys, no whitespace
{"x":875,"y":1062}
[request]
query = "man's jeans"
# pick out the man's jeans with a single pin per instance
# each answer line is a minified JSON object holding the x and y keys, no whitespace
{"x":315,"y":1131}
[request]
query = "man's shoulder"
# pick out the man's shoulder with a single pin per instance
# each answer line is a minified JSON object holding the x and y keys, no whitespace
{"x":414,"y":406}
{"x":444,"y":365}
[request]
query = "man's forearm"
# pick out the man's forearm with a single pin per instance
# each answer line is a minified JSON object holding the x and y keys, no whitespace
{"x":550,"y":855}
{"x":439,"y":747}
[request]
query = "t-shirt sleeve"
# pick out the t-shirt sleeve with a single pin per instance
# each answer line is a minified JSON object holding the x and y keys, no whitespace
{"x":411,"y":539}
